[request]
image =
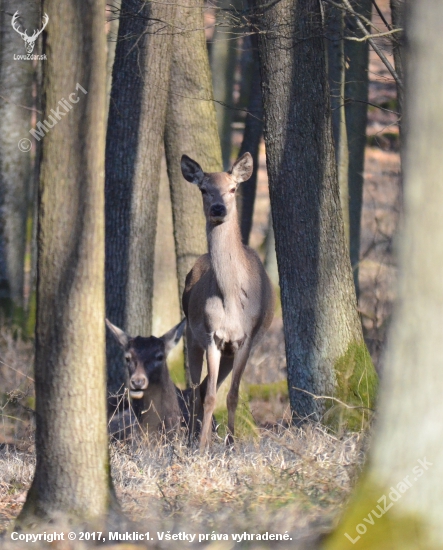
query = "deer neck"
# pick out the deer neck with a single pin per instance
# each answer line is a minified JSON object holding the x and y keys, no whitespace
{"x":228,"y":258}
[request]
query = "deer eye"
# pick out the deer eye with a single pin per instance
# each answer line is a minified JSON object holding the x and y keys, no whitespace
{"x":232,"y":190}
{"x":159,"y":356}
{"x":127,"y":359}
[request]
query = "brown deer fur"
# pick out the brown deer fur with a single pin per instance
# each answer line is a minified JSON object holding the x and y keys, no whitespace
{"x":228,"y":299}
{"x":148,"y":377}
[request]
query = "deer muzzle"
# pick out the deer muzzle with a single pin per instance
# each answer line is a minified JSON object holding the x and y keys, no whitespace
{"x":137,"y":385}
{"x":218,"y":212}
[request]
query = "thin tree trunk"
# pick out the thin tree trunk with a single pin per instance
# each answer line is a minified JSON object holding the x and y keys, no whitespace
{"x":72,"y":471}
{"x":336,"y":72}
{"x":270,"y":262}
{"x":356,"y":97}
{"x":133,"y":154}
{"x":397,"y":14}
{"x":406,"y":460}
{"x":31,"y":277}
{"x":16,"y":165}
{"x":191,"y":128}
{"x":251,"y":143}
{"x":223,"y":64}
{"x":113,"y":13}
{"x":325,"y":351}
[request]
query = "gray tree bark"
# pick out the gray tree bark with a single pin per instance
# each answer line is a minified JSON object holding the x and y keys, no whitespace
{"x":191,"y":129}
{"x":325,"y":351}
{"x":16,"y":166}
{"x":356,"y":97}
{"x":133,"y":153}
{"x":406,"y":459}
{"x":71,"y":434}
{"x":397,"y":14}
{"x":223,"y":61}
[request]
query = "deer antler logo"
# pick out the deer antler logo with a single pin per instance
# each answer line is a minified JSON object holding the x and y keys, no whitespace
{"x":29,"y":40}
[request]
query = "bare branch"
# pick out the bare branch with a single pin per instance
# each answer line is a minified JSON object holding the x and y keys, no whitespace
{"x":377,"y":50}
{"x":333,"y":399}
{"x":369,"y":36}
{"x":380,"y":13}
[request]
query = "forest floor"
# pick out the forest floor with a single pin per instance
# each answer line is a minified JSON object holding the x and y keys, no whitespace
{"x":278,"y":479}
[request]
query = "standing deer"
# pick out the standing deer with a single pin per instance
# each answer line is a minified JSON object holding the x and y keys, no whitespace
{"x":228,"y":298}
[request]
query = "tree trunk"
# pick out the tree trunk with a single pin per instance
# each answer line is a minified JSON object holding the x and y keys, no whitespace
{"x":397,"y":14}
{"x":270,"y":262}
{"x":406,"y":460}
{"x":71,"y":435}
{"x":356,"y":97}
{"x":113,"y":14}
{"x":223,"y":64}
{"x":325,"y":351}
{"x":133,"y":154}
{"x":191,"y":129}
{"x":251,"y":143}
{"x":336,"y":72}
{"x":16,"y":165}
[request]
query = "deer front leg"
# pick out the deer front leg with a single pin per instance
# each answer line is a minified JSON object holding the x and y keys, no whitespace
{"x":213,"y":355}
{"x":240,"y":360}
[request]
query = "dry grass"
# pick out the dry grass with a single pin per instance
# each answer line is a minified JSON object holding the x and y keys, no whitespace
{"x":290,"y":481}
{"x":295,"y":481}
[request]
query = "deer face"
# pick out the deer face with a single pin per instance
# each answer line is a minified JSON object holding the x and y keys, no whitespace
{"x":145,"y":357}
{"x":218,"y":189}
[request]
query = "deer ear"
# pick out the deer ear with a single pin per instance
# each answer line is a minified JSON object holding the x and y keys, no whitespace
{"x":242,"y":168}
{"x":172,"y":337}
{"x":121,"y":337}
{"x":191,"y":170}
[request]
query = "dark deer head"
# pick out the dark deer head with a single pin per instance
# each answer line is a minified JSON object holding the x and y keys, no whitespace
{"x":146,"y":357}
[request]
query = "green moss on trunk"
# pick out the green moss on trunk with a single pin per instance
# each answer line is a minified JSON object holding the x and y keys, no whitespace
{"x":374,"y":521}
{"x":356,"y":386}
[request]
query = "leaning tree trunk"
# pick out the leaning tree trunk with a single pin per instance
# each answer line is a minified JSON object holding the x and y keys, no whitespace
{"x":133,"y":153}
{"x":16,"y":157}
{"x":405,"y":470}
{"x":356,"y":97}
{"x":335,"y":21}
{"x":72,"y":471}
{"x":325,"y":351}
{"x":191,"y":129}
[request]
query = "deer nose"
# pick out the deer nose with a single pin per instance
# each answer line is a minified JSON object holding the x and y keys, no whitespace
{"x":139,"y":383}
{"x":218,"y":210}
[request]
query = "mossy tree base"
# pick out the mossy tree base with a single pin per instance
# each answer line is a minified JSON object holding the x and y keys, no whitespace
{"x":375,"y":520}
{"x":356,"y":389}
